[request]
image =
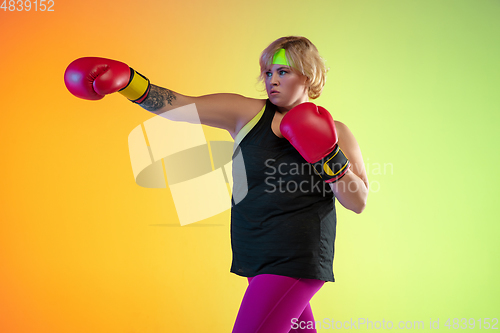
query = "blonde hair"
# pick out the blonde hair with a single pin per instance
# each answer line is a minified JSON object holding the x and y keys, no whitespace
{"x":303,"y":56}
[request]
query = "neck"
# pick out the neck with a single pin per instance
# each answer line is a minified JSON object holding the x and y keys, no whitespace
{"x":285,"y":109}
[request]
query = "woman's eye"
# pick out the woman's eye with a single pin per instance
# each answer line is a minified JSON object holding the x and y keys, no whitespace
{"x":281,"y":73}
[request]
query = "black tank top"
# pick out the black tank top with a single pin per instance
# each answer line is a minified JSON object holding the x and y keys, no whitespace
{"x":283,"y":219}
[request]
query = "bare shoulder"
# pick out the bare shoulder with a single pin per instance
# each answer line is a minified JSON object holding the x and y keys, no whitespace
{"x":346,"y":138}
{"x":248,"y":110}
{"x":235,"y":111}
{"x":343,"y":132}
{"x":349,"y":145}
{"x":227,"y":111}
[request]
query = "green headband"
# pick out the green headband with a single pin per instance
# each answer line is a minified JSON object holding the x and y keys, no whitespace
{"x":279,"y":58}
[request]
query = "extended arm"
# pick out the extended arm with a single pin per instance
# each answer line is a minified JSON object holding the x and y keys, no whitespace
{"x":93,"y":78}
{"x":159,"y":99}
{"x":226,"y":111}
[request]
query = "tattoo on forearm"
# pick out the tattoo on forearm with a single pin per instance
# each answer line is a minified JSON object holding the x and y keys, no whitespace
{"x":157,"y":98}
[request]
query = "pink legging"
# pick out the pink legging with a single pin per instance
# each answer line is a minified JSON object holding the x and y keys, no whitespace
{"x":275,"y":304}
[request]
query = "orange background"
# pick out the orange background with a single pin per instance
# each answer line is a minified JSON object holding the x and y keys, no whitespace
{"x":85,"y":249}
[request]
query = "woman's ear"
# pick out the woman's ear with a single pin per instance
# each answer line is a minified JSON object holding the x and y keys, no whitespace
{"x":306,"y":80}
{"x":308,"y":85}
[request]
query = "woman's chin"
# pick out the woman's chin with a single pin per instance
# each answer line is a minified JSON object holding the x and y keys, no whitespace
{"x":276,"y":100}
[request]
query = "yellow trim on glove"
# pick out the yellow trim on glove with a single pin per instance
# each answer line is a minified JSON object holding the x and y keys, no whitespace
{"x":136,"y":88}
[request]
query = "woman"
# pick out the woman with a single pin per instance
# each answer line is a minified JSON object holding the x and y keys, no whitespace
{"x":283,"y":229}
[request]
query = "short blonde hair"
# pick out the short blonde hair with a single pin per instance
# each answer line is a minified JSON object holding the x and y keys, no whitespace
{"x":303,"y":57}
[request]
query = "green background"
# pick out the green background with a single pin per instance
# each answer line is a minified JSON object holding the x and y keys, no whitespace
{"x":85,"y":249}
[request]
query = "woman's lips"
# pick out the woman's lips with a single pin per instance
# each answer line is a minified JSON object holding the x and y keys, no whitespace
{"x":273,"y":92}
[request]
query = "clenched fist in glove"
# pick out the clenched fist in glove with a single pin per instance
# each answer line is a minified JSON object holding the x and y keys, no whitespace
{"x":92,"y":78}
{"x":311,"y":130}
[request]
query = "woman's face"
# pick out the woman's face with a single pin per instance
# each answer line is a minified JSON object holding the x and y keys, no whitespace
{"x":285,"y":87}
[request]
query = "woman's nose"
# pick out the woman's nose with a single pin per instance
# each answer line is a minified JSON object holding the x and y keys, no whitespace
{"x":274,"y":79}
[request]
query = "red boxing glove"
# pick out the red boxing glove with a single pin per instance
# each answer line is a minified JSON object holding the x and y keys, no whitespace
{"x":311,"y":130}
{"x":92,"y":78}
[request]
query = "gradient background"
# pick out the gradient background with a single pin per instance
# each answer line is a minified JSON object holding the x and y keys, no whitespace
{"x":85,"y":249}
